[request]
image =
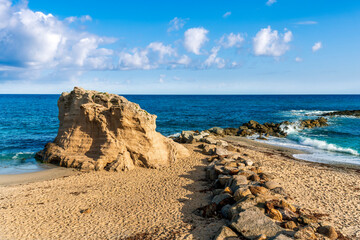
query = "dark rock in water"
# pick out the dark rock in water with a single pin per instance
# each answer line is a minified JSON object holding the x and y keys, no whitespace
{"x":272,"y":129}
{"x":309,"y":123}
{"x":355,"y":113}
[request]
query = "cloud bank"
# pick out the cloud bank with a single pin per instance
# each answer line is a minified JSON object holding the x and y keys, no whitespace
{"x":32,"y":43}
{"x":38,"y":40}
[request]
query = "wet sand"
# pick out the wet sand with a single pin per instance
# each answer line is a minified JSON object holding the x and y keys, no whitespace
{"x":49,"y":172}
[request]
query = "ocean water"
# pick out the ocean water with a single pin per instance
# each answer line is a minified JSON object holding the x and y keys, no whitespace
{"x":28,"y":122}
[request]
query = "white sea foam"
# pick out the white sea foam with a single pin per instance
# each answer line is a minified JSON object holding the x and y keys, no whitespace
{"x":291,"y":128}
{"x":326,"y":146}
{"x":175,"y":135}
{"x":19,"y":155}
{"x":308,"y":112}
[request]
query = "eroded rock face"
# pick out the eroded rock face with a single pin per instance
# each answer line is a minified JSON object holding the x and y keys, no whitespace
{"x":105,"y":131}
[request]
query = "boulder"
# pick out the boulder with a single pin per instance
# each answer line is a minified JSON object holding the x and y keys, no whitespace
{"x":217,"y":130}
{"x":237,"y":182}
{"x":290,"y":225}
{"x":271,"y":184}
{"x":231,"y":131}
{"x":252,"y":223}
{"x":208,"y":211}
{"x":249,"y":163}
{"x":208,"y":149}
{"x":306,"y":233}
{"x":198,"y":137}
{"x":254,"y":178}
{"x":211,"y":174}
{"x":282,"y":237}
{"x":256,"y":190}
{"x":221,"y":151}
{"x":328,"y":231}
{"x":241,"y":193}
{"x":225,"y":233}
{"x":186,"y":136}
{"x":105,"y":131}
{"x":224,"y":179}
{"x":219,"y":198}
{"x":225,"y":211}
{"x":275,"y":214}
{"x":209,"y":140}
{"x":222,"y":143}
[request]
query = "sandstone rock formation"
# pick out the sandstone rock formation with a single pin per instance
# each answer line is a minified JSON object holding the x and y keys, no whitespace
{"x":105,"y":131}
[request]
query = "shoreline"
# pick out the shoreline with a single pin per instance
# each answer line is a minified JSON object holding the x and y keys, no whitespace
{"x":48,"y":172}
{"x":289,"y":152}
{"x":51,"y":171}
{"x":159,"y":202}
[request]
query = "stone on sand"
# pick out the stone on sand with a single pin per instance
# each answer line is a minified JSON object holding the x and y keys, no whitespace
{"x":252,"y":223}
{"x":225,"y":233}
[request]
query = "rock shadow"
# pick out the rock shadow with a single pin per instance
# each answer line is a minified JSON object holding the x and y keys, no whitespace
{"x":200,"y":196}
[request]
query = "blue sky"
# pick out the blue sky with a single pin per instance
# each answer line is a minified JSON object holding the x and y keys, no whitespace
{"x":187,"y":47}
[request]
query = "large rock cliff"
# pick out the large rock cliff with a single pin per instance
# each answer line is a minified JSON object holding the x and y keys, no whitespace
{"x":105,"y":131}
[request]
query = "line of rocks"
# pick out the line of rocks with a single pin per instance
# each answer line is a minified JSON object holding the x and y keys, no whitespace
{"x":251,"y":128}
{"x":354,"y":113}
{"x":254,"y":204}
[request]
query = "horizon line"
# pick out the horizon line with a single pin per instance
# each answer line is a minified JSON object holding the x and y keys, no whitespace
{"x":204,"y":94}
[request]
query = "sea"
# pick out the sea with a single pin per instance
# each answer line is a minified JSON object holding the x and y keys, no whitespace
{"x":28,"y":122}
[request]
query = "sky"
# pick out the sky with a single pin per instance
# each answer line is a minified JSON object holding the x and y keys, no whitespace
{"x":180,"y":47}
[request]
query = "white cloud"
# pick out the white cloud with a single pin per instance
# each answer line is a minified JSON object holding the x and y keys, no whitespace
{"x":317,"y":46}
{"x":214,"y":60}
{"x":184,"y":60}
{"x":270,"y":43}
{"x":31,"y":39}
{"x":298,"y":59}
{"x":270,"y":2}
{"x":135,"y":60}
{"x":195,"y":38}
{"x":288,"y":36}
{"x":231,"y":40}
{"x":161,"y":49}
{"x":149,"y":58}
{"x":307,"y":23}
{"x":82,"y":19}
{"x":176,"y":24}
{"x":162,"y":78}
{"x":226,"y":14}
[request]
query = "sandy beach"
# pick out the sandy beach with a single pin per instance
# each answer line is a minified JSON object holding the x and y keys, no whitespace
{"x":160,"y":203}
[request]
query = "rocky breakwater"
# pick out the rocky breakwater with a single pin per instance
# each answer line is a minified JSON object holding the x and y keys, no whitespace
{"x":254,"y":204}
{"x":248,"y":129}
{"x":353,"y":113}
{"x":105,"y":131}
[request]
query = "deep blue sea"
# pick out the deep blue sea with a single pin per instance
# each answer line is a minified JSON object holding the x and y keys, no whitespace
{"x":28,"y":122}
